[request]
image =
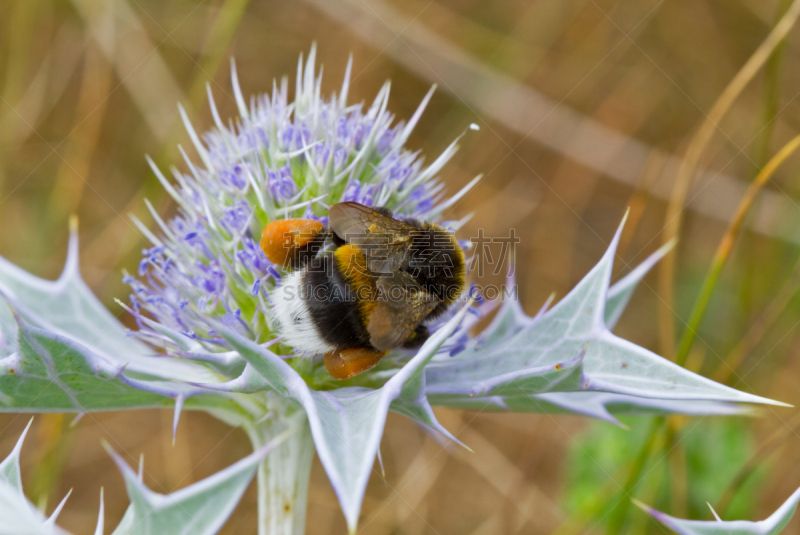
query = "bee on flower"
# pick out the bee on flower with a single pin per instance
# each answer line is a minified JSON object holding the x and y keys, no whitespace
{"x":329,"y":170}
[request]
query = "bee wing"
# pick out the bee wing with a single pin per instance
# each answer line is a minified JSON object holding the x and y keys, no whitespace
{"x":402,"y":305}
{"x":383,"y":239}
{"x":351,"y":218}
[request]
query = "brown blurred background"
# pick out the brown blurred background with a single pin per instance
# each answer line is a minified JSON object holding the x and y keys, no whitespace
{"x":583,"y":108}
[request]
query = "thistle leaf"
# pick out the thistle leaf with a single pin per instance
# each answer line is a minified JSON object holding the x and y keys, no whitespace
{"x":20,"y":516}
{"x":61,"y":350}
{"x":202,"y":507}
{"x":413,"y":403}
{"x":771,"y":526}
{"x":568,"y":348}
{"x":53,"y":373}
{"x":50,"y":372}
{"x":17,"y":513}
{"x":67,"y":308}
{"x":601,"y":405}
{"x":9,"y":468}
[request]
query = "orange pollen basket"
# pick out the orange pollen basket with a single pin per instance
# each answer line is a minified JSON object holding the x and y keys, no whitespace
{"x":346,"y":363}
{"x":280,"y":239}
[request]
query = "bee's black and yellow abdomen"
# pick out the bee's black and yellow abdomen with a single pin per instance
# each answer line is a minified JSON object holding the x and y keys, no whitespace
{"x":352,"y":267}
{"x":335,"y":302}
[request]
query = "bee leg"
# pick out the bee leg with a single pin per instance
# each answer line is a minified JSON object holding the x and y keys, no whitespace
{"x":417,"y":338}
{"x":346,"y":363}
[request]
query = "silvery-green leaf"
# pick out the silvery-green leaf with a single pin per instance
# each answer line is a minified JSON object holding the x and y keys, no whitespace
{"x":18,"y":516}
{"x":50,"y":372}
{"x":68,"y":308}
{"x":414,"y":404}
{"x":771,"y":526}
{"x":538,"y":355}
{"x":601,"y":405}
{"x":510,"y":319}
{"x":202,"y":507}
{"x":346,"y":423}
{"x":62,"y":351}
{"x":9,"y":468}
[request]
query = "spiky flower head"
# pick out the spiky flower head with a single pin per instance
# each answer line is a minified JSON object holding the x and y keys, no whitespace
{"x":280,"y":159}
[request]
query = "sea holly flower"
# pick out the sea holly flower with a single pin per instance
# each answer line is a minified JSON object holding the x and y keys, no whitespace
{"x":201,"y":298}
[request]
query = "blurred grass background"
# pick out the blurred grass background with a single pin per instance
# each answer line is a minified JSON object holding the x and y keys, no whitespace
{"x":586,"y":108}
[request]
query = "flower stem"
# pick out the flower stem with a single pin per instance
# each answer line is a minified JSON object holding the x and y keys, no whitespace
{"x":283,"y":474}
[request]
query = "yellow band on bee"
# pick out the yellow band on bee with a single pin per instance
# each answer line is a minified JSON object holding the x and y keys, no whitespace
{"x":352,"y":265}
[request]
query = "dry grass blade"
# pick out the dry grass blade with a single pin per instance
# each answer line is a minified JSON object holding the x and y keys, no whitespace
{"x":42,"y":90}
{"x":221,"y":33}
{"x":54,"y":441}
{"x":725,"y":246}
{"x":137,"y":60}
{"x":114,"y":244}
{"x":78,"y":154}
{"x":219,"y":38}
{"x":698,"y":146}
{"x":770,"y":99}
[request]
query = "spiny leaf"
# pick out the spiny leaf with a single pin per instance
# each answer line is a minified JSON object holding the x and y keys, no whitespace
{"x":61,"y":350}
{"x":68,"y":308}
{"x":771,"y":526}
{"x":18,"y":515}
{"x":543,"y":354}
{"x":202,"y":507}
{"x":413,"y":403}
{"x":601,"y":405}
{"x":50,"y":372}
{"x":9,"y":468}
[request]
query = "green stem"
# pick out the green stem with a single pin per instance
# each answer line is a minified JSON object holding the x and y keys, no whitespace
{"x":620,"y":513}
{"x":283,"y":475}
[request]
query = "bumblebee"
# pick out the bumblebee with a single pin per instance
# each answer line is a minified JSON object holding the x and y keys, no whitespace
{"x":365,"y":284}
